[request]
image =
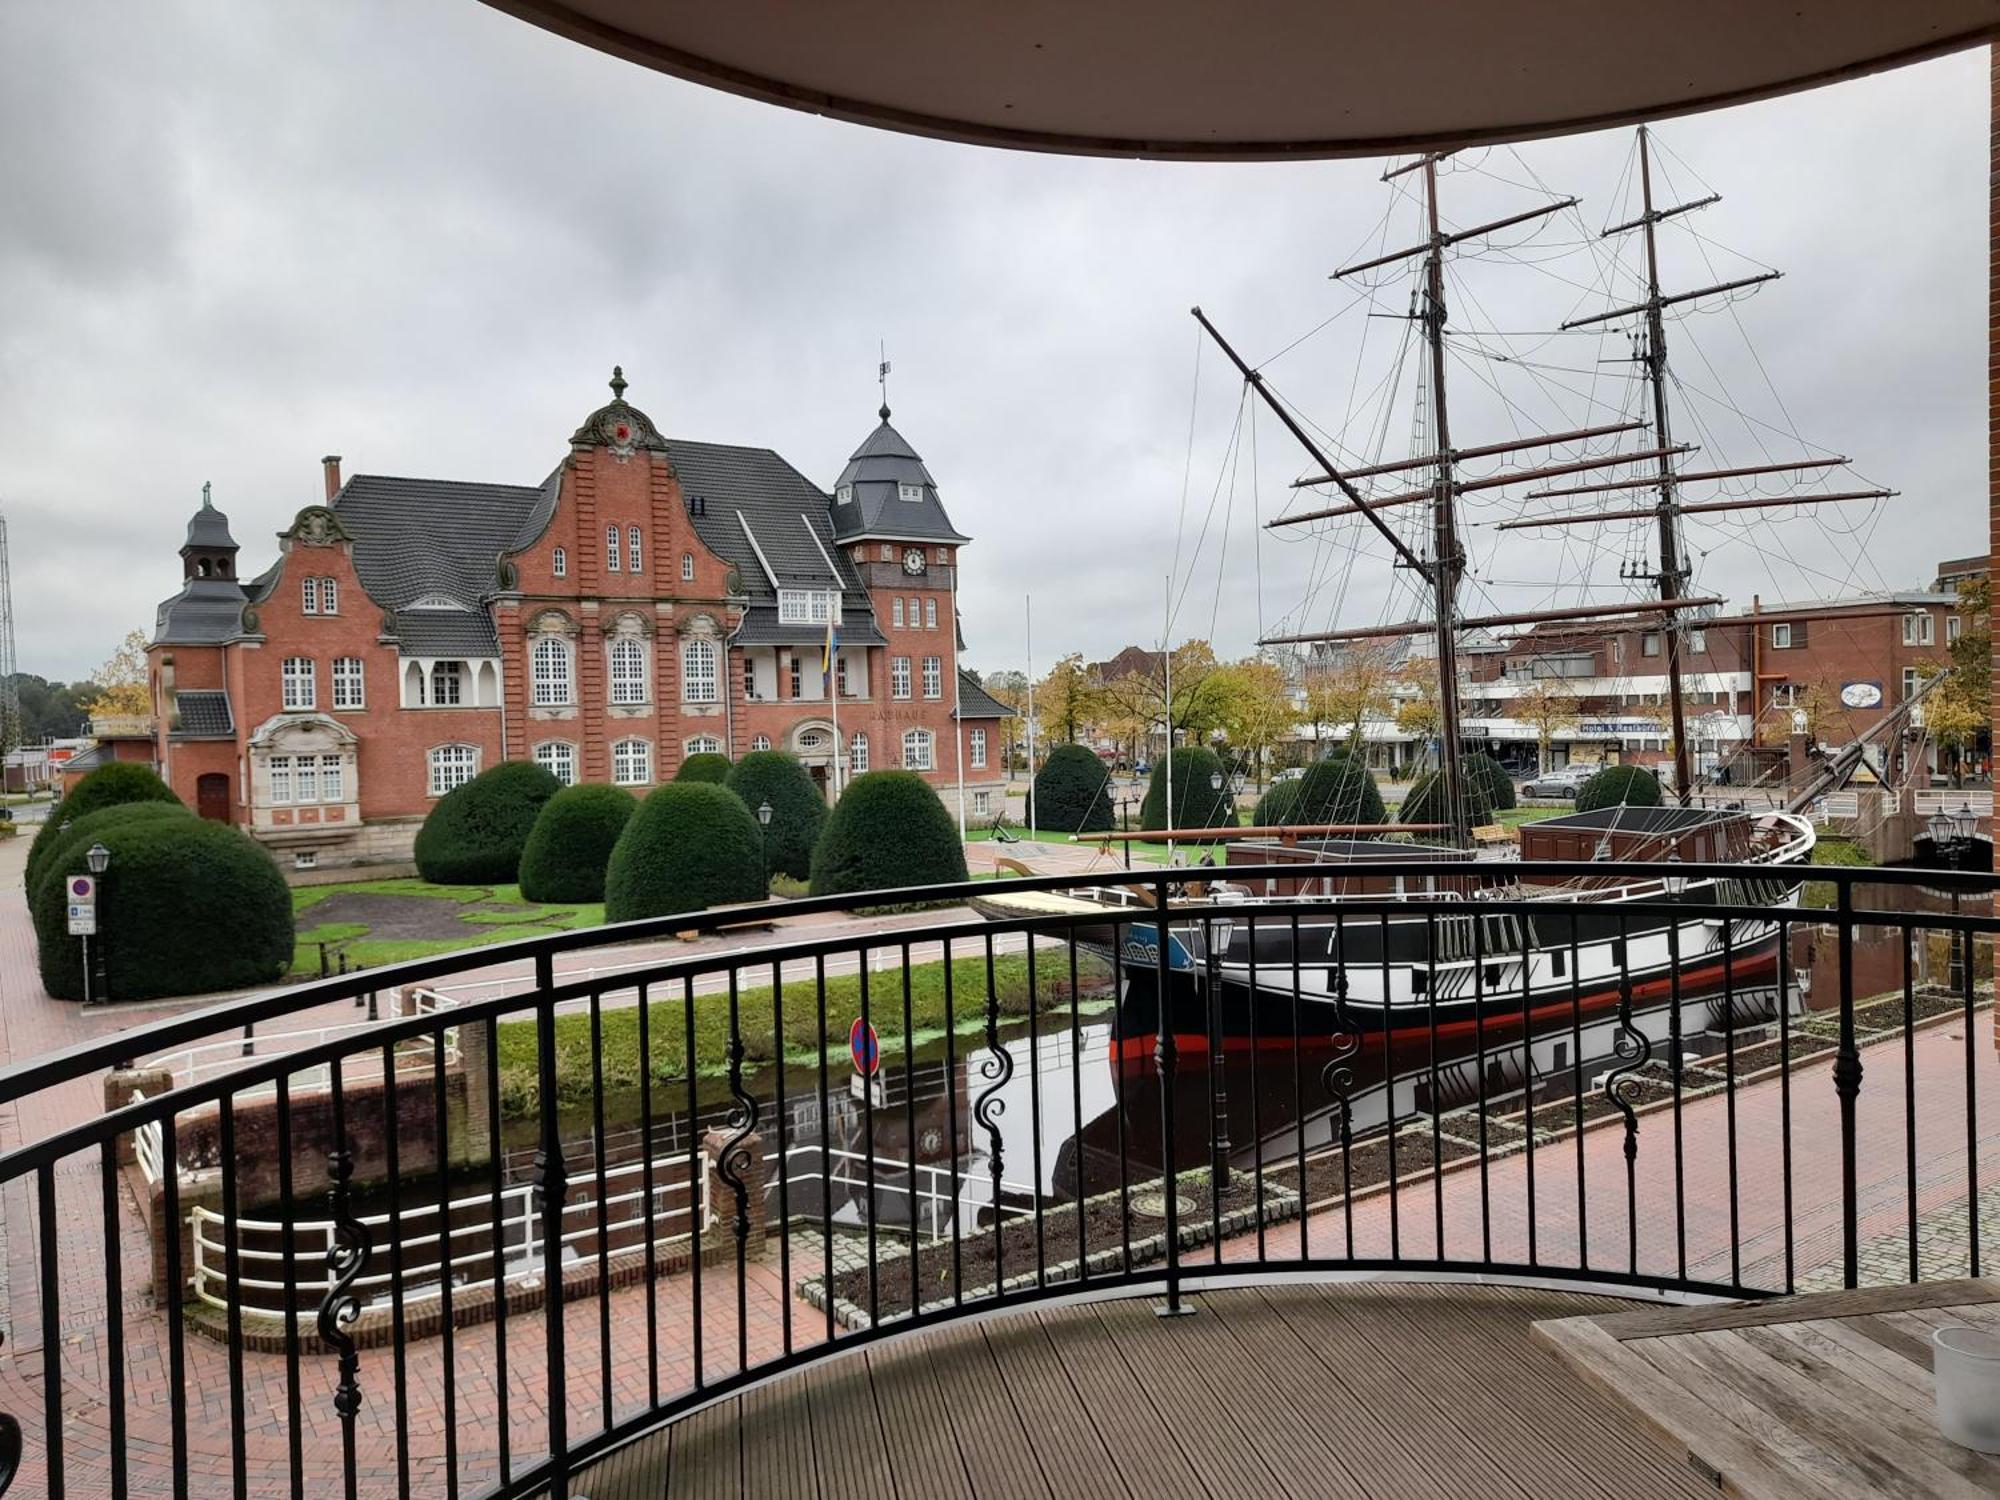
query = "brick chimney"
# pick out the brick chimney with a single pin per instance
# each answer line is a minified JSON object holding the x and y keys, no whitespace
{"x":331,"y":463}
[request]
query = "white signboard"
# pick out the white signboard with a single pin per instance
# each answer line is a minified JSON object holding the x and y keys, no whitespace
{"x":83,"y":906}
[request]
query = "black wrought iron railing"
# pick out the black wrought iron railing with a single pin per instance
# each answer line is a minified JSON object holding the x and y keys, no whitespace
{"x":557,"y":1192}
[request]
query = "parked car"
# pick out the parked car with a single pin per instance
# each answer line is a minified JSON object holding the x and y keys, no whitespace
{"x":1563,"y":783}
{"x":1290,"y":773}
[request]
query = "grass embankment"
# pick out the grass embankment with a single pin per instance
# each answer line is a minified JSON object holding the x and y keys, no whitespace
{"x":617,"y":1044}
{"x":511,"y":918}
{"x":1843,"y":852}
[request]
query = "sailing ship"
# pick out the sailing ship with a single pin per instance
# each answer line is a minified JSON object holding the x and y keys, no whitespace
{"x":1447,"y":966}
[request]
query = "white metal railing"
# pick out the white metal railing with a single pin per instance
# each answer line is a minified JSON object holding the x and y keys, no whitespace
{"x":1845,"y":804}
{"x":1936,"y":800}
{"x":192,"y":1065}
{"x":146,"y":1144}
{"x":519,"y":1254}
{"x":929,"y":1186}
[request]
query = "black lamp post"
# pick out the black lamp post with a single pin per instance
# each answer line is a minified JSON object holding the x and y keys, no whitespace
{"x":764,"y":841}
{"x":99,"y":859}
{"x":1951,"y":840}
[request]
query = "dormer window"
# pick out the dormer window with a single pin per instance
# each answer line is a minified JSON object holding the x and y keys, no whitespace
{"x":910,"y":491}
{"x":806,"y":606}
{"x":845,"y":494}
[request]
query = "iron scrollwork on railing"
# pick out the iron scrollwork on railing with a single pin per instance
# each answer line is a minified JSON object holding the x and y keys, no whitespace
{"x":1338,"y":1075}
{"x":346,"y":1258}
{"x":1633,"y":1049}
{"x":734,"y":1159}
{"x":996,"y":1069}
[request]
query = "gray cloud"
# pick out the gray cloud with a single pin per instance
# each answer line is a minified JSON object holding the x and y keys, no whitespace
{"x":238,"y":237}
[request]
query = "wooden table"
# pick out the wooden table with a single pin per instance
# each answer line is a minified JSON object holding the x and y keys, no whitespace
{"x":1821,"y":1395}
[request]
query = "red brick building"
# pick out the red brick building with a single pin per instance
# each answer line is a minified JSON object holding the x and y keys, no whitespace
{"x":650,"y":599}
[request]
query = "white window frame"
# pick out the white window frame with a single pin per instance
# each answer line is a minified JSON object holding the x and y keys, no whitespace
{"x":896,"y":613}
{"x":982,"y":803}
{"x":1911,"y":682}
{"x":301,"y":683}
{"x":933,"y":677}
{"x":806,"y":607}
{"x":930,"y":614}
{"x":899,"y":677}
{"x":1649,"y":643}
{"x":1954,"y":627}
{"x":761,"y":742}
{"x":857,"y":754}
{"x":979,"y":749}
{"x":551,"y":672}
{"x":450,"y":766}
{"x":1698,"y":641}
{"x":332,"y":778}
{"x":914,"y":493}
{"x":687,"y":567}
{"x":278,"y":774}
{"x":626,"y":669}
{"x":700,"y":670}
{"x":702,"y":744}
{"x":844,"y":495}
{"x":309,"y":596}
{"x":558,"y":758}
{"x":559,"y":563}
{"x":329,"y":597}
{"x":350,"y":682}
{"x":445,"y":687}
{"x":632,"y":763}
{"x":919,"y":750}
{"x":1781,"y":636}
{"x":611,"y":540}
{"x":634,"y":551}
{"x":305,"y":779}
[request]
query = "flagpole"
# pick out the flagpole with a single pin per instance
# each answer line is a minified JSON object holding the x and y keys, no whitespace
{"x":831,"y":667}
{"x":1028,"y":604}
{"x":1167,"y":671}
{"x":957,"y":702}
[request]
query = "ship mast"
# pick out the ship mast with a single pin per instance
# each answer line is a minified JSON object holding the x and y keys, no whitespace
{"x":1447,"y":556}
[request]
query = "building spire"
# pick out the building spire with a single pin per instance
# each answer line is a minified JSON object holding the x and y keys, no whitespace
{"x":207,"y":500}
{"x":617,"y":382}
{"x":882,"y":376}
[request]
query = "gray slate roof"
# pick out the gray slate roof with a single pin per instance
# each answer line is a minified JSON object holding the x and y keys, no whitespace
{"x":209,"y":527}
{"x":445,"y":632}
{"x":974,"y":702}
{"x":761,"y":627}
{"x":754,"y":488}
{"x":206,"y":612}
{"x":418,"y":537}
{"x":204,"y":715}
{"x":879,"y":468}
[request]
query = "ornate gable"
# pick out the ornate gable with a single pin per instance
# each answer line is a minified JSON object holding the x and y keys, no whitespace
{"x":618,"y":425}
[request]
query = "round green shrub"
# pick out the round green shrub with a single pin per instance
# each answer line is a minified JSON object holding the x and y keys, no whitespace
{"x":1619,"y":786}
{"x":1338,"y":789}
{"x":475,"y":834}
{"x":1425,"y":803}
{"x":188,"y":906}
{"x":1196,"y":803}
{"x":64,"y":855}
{"x":707,"y":766}
{"x":570,"y":845}
{"x":107,"y":786}
{"x":798,"y":811}
{"x":1496,"y":787}
{"x":889,"y":830}
{"x":1278,"y":806}
{"x":691,"y":845}
{"x":1073,"y":791}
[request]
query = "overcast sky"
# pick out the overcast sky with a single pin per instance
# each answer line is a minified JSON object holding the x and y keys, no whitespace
{"x":234,"y":237}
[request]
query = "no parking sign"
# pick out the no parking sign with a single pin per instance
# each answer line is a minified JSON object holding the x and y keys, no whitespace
{"x":865,"y":1047}
{"x":83,"y":906}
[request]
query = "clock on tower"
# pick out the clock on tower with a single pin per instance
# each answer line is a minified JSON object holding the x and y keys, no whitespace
{"x":913,"y":561}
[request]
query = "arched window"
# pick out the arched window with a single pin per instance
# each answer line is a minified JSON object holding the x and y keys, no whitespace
{"x":761,"y":742}
{"x":611,"y":548}
{"x":628,"y":670}
{"x":703,"y":744}
{"x":452,"y":766}
{"x":632,"y":763}
{"x":698,"y":671}
{"x":857,"y":754}
{"x":558,"y":758}
{"x":916,"y":750}
{"x":560,"y":563}
{"x":632,"y":549}
{"x":687,"y":567}
{"x":549,"y":670}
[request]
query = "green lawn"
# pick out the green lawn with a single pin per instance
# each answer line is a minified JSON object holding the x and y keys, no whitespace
{"x":617,"y":1043}
{"x":519,"y":919}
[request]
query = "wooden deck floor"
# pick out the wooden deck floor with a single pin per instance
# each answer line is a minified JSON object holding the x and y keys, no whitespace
{"x":1385,"y":1392}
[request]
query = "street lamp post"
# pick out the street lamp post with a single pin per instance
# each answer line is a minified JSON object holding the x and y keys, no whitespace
{"x":99,"y":859}
{"x":764,"y":842}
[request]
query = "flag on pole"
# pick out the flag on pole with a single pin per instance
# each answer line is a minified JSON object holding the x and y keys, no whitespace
{"x":827,"y":651}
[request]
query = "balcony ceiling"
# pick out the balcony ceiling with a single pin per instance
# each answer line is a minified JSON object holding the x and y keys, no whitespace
{"x":1194,"y":79}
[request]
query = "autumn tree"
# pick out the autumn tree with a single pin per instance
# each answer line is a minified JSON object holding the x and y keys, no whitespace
{"x":1421,"y":717}
{"x":1960,"y":709}
{"x":1548,"y":708}
{"x":1065,"y":700}
{"x":1137,"y":701}
{"x":1348,"y":690}
{"x":1257,"y":708}
{"x":119,"y":688}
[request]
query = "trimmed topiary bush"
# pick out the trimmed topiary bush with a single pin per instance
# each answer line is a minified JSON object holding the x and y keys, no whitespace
{"x":1278,"y":806}
{"x":1425,"y":803}
{"x":1073,"y":792}
{"x":1619,"y":786}
{"x":188,"y":906}
{"x":798,"y":811}
{"x":475,"y":834}
{"x":691,"y":845}
{"x":707,"y":766}
{"x":889,"y":830}
{"x":1496,"y":787}
{"x":1339,"y":789}
{"x":64,"y":855}
{"x":569,"y":848}
{"x":1196,"y":804}
{"x":107,"y":786}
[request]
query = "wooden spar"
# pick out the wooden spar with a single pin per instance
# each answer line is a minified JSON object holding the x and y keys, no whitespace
{"x":1585,"y":518}
{"x":1490,"y":482}
{"x":1216,"y":835}
{"x":1654,"y":216}
{"x":1480,"y":622}
{"x":1439,"y":242}
{"x":1257,"y":384}
{"x":1639,"y":307}
{"x":1486,"y":450}
{"x":1428,"y":159}
{"x":1684,"y":476}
